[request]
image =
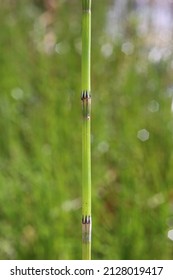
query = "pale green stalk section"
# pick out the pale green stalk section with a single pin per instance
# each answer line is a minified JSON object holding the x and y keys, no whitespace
{"x":86,"y":141}
{"x":86,"y":45}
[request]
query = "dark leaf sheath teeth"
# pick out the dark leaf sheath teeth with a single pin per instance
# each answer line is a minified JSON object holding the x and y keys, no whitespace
{"x":86,"y":220}
{"x":85,"y":95}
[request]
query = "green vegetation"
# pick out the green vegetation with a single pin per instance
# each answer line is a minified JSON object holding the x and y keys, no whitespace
{"x":41,"y":145}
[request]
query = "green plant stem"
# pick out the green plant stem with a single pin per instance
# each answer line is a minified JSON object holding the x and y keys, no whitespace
{"x":86,"y":130}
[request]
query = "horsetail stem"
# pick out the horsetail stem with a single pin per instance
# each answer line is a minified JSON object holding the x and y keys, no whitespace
{"x":86,"y":130}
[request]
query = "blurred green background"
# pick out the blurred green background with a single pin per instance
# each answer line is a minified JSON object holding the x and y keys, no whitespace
{"x":40,"y":132}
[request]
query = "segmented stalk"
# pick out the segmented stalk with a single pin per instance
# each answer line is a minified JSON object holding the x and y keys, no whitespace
{"x":86,"y":130}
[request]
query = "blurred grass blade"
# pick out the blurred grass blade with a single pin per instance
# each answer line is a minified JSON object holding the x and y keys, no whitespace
{"x":86,"y":142}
